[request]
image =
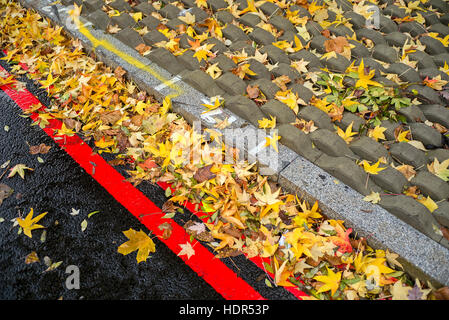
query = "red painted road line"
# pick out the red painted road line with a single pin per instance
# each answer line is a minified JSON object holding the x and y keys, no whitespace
{"x":258,"y":261}
{"x":204,"y":263}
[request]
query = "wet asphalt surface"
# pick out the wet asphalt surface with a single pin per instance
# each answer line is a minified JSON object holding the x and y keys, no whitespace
{"x":58,"y":185}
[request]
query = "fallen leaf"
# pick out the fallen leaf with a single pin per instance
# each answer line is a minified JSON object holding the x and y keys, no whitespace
{"x":138,"y":240}
{"x":204,"y":174}
{"x":20,"y":169}
{"x":32,"y":258}
{"x":186,"y":249}
{"x":5,"y":192}
{"x":42,"y":149}
{"x":29,"y":223}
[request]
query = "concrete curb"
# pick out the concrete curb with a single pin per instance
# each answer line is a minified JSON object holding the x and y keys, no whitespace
{"x":421,"y":256}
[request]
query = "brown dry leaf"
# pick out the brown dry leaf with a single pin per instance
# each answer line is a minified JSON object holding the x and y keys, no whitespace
{"x":192,"y":229}
{"x":442,"y":293}
{"x":253,"y":91}
{"x":167,"y":227}
{"x":445,"y":232}
{"x":42,"y":149}
{"x":407,"y":170}
{"x":169,"y":207}
{"x":113,"y":29}
{"x":143,"y":49}
{"x":119,"y":73}
{"x":282,"y":81}
{"x":110,"y":117}
{"x":32,"y":258}
{"x":204,"y":174}
{"x":228,"y":252}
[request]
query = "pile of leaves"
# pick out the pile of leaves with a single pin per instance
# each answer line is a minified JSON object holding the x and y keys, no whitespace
{"x":244,"y":212}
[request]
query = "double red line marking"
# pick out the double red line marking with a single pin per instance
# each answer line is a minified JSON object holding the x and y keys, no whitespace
{"x":212,"y":270}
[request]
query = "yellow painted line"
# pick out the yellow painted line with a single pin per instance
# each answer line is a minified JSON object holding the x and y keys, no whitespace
{"x":129,"y":59}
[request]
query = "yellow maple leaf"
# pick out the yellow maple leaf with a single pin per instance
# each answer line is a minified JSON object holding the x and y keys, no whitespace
{"x":377,"y":133}
{"x":138,"y":240}
{"x":29,"y":223}
{"x":440,"y":169}
{"x":201,"y":3}
{"x":186,"y":249}
{"x":372,"y":169}
{"x":272,"y":141}
{"x":364,"y":79}
{"x":210,"y":107}
{"x":347,"y":134}
{"x":214,"y":71}
{"x":331,"y":281}
{"x":265,"y":123}
{"x":428,"y":203}
{"x":402,"y":136}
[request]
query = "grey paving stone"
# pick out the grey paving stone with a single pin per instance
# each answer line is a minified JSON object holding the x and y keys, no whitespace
{"x":394,"y":11}
{"x":202,"y":82}
{"x":242,"y":4}
{"x":413,"y":28}
{"x":424,"y":60}
{"x":430,"y":17}
{"x":433,"y":46}
{"x":174,"y":24}
{"x":397,"y":39}
{"x":317,"y":43}
{"x":358,"y":21}
{"x":345,"y":5}
{"x":289,"y":36}
{"x":170,"y":11}
{"x":184,"y":41}
{"x":413,"y":114}
{"x":431,"y":185}
{"x":217,"y":4}
{"x":165,"y":59}
{"x":440,"y":154}
{"x":438,"y":4}
{"x":267,"y":87}
{"x":387,"y":25}
{"x":439,"y":28}
{"x":250,"y":19}
{"x":285,"y":69}
{"x":120,"y":5}
{"x":441,"y":214}
{"x":301,"y":11}
{"x":391,"y":126}
{"x":390,"y":179}
{"x":129,"y":37}
{"x":100,"y":19}
{"x":432,"y":73}
{"x":425,"y":94}
{"x":444,"y":19}
{"x":368,"y":149}
{"x":347,"y":119}
{"x":373,"y":35}
{"x":298,"y":141}
{"x":124,"y":20}
{"x":224,"y":17}
{"x":200,"y":15}
{"x":188,"y":3}
{"x":304,"y":93}
{"x":386,"y":82}
{"x":319,"y":117}
{"x":224,"y":63}
{"x":275,"y":54}
{"x":238,"y":46}
{"x":281,"y":23}
{"x":154,"y":37}
{"x":92,"y":5}
{"x":440,"y":59}
{"x":308,"y":56}
{"x":145,"y":8}
{"x":436,"y":113}
{"x":313,"y":28}
{"x":232,"y":84}
{"x":359,"y":51}
{"x":189,"y":61}
{"x":408,"y":154}
{"x":348,"y":172}
{"x":404,"y":72}
{"x":341,"y":31}
{"x":429,"y":136}
{"x":330,"y":143}
{"x":338,"y":64}
{"x":234,"y":33}
{"x":279,"y":110}
{"x":260,"y":70}
{"x":261,"y":36}
{"x":269,"y":8}
{"x":412,"y":212}
{"x":245,"y":108}
{"x":219,"y":46}
{"x":151,"y":22}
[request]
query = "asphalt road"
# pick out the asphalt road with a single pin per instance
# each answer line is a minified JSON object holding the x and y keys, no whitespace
{"x":57,"y":185}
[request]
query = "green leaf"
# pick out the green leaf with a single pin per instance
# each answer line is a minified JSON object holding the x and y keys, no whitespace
{"x":169,"y":215}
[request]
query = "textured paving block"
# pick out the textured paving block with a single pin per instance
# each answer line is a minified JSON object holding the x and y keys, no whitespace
{"x":347,"y":171}
{"x":412,"y":212}
{"x":100,"y":19}
{"x":308,"y":56}
{"x":408,"y":154}
{"x":269,"y":8}
{"x":338,"y":64}
{"x":440,"y":154}
{"x":358,"y":21}
{"x":275,"y":54}
{"x":174,"y":24}
{"x":387,"y":25}
{"x":129,"y":37}
{"x":285,"y":69}
{"x":319,"y":117}
{"x":341,"y":31}
{"x":279,"y":110}
{"x":313,"y":28}
{"x":374,"y":36}
{"x":413,"y":114}
{"x":436,"y":113}
{"x":234,"y":33}
{"x":189,"y":61}
{"x":390,"y":180}
{"x":433,"y":46}
{"x":232,"y":84}
{"x":304,"y":93}
{"x":268,"y":88}
{"x":281,"y":23}
{"x":120,"y":5}
{"x":250,"y":19}
{"x":404,"y":72}
{"x":372,"y":64}
{"x":153,"y":37}
{"x":330,"y":143}
{"x":359,"y":50}
{"x":440,"y":59}
{"x":261,"y":36}
{"x":224,"y":63}
{"x":123,"y":21}
{"x":165,"y":59}
{"x":169,"y":11}
{"x":394,"y":11}
{"x":202,"y":82}
{"x":92,"y":5}
{"x":432,"y":73}
{"x":317,"y":43}
{"x":150,"y":22}
{"x":368,"y":149}
{"x":439,"y":28}
{"x":219,"y":46}
{"x":385,"y":53}
{"x":217,"y":4}
{"x":298,"y":141}
{"x":260,"y":70}
{"x":241,"y":45}
{"x":347,"y":119}
{"x":413,"y":28}
{"x":425,"y":94}
{"x":441,"y":214}
{"x":431,"y":185}
{"x":200,"y":15}
{"x":245,"y":108}
{"x":145,"y":8}
{"x":424,"y":60}
{"x":224,"y":17}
